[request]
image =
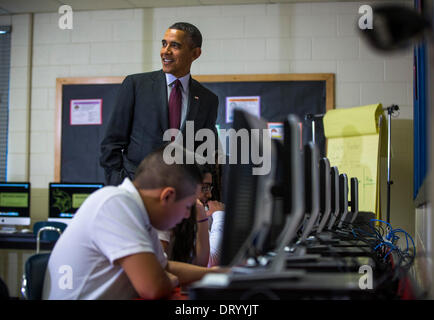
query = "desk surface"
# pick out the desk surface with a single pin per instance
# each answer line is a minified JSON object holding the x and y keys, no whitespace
{"x":26,"y":241}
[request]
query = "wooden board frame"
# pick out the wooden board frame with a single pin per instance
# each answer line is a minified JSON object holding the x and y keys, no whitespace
{"x":329,"y":79}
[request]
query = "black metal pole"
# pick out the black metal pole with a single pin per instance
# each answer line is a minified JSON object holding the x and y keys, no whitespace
{"x":390,"y":110}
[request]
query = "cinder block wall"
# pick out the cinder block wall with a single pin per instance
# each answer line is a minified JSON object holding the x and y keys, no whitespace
{"x":262,"y":38}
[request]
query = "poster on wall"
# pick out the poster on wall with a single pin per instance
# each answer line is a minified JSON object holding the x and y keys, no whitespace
{"x":86,"y":112}
{"x":276,"y":130}
{"x":251,"y":105}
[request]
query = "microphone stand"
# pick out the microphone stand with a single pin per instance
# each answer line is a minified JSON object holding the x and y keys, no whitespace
{"x":313,"y":117}
{"x":390,"y":110}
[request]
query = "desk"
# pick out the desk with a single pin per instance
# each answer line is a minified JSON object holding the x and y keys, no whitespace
{"x":178,"y":294}
{"x":23,"y":241}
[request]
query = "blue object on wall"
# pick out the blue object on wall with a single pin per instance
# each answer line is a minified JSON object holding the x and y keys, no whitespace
{"x":420,"y":117}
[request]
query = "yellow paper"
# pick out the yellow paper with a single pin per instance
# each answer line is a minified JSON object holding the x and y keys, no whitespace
{"x":353,"y":146}
{"x":352,"y":121}
{"x":356,"y":157}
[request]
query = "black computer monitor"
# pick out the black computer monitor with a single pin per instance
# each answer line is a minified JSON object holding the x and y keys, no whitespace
{"x":334,"y":204}
{"x":278,"y":212}
{"x":289,"y":203}
{"x":15,"y":203}
{"x":311,"y":195}
{"x":325,"y":193}
{"x":248,"y":197}
{"x":66,"y":198}
{"x":343,"y":198}
{"x":354,"y":198}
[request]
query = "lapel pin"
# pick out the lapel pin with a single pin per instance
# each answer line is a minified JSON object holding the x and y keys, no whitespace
{"x":196,"y":97}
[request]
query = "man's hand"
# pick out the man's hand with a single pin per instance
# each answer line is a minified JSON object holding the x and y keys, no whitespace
{"x":214,"y":206}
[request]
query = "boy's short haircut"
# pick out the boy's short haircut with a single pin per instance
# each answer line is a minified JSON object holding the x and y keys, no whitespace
{"x":154,"y":173}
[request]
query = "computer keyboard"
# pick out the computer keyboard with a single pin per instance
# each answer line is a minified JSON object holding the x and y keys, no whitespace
{"x":2,"y":231}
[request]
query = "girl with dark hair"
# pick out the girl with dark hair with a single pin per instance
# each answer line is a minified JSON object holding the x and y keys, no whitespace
{"x":189,"y":240}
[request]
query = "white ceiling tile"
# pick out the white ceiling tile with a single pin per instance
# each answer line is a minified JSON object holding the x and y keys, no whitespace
{"x":26,"y":6}
{"x":164,"y":3}
{"x":38,"y":6}
{"x":98,"y":4}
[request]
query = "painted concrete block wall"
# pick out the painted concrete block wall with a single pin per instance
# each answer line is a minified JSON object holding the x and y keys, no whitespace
{"x":262,"y":38}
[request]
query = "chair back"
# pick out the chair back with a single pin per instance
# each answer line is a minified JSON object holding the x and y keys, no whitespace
{"x":34,"y":274}
{"x":4,"y":291}
{"x":48,"y":234}
{"x":48,"y":231}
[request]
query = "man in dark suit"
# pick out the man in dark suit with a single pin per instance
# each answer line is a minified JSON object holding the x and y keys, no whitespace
{"x":150,"y":103}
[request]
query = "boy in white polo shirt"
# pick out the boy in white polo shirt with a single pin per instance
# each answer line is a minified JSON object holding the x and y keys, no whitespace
{"x":111,"y":250}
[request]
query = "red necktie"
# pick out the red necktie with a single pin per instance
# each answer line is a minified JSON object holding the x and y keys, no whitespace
{"x":175,"y":105}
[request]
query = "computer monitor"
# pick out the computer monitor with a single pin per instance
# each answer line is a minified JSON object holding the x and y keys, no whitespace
{"x":288,"y":210}
{"x":334,"y":180}
{"x":248,"y":197}
{"x":66,"y":198}
{"x":311,"y":187}
{"x":279,"y":211}
{"x":14,"y":203}
{"x":325,"y":193}
{"x":293,"y":190}
{"x":343,"y":198}
{"x":354,"y":198}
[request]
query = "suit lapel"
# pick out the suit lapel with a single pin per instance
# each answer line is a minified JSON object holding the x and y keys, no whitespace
{"x":160,"y":91}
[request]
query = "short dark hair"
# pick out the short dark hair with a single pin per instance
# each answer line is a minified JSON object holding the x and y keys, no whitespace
{"x":204,"y":169}
{"x":153,"y":173}
{"x":191,"y":30}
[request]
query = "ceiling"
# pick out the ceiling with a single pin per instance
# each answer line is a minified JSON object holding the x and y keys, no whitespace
{"x":38,"y":6}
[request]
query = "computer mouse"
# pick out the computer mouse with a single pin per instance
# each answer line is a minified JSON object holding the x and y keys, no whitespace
{"x":26,"y":231}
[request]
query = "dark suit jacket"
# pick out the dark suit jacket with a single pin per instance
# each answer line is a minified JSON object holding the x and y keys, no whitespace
{"x":140,"y":117}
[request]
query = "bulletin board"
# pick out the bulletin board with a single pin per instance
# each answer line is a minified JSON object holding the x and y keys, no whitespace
{"x":83,"y":107}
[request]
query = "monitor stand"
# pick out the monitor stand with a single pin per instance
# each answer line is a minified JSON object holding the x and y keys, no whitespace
{"x":299,"y":254}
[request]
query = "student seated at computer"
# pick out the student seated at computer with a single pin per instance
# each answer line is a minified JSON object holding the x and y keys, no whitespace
{"x":111,"y":249}
{"x":190,"y":241}
{"x":215,"y":213}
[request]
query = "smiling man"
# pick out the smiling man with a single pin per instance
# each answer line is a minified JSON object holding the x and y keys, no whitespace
{"x":150,"y":103}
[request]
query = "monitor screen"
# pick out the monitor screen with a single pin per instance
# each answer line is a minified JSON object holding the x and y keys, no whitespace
{"x":334,"y":203}
{"x":325,"y":192}
{"x":354,"y":198}
{"x":15,"y":203}
{"x":66,"y":198}
{"x":289,"y":201}
{"x":343,"y":198}
{"x":247,"y":197}
{"x":312,"y":199}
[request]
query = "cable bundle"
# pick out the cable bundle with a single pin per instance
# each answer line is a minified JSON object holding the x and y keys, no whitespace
{"x":384,"y":241}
